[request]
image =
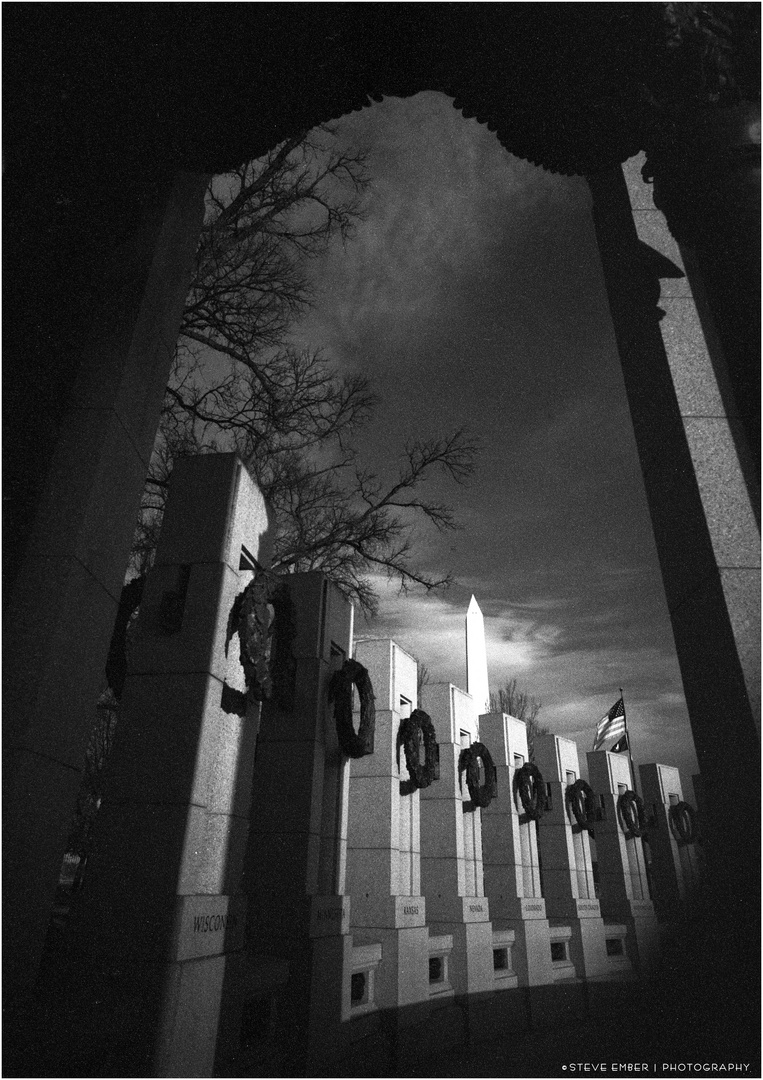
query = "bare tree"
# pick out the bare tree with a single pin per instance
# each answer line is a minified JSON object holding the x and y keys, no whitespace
{"x":347,"y":521}
{"x":264,"y":222}
{"x":291,"y":415}
{"x":517,"y":702}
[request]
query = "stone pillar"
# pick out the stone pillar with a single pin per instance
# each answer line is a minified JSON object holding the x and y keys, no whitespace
{"x":383,"y":837}
{"x":510,"y":856}
{"x":565,"y":856}
{"x":705,"y":163}
{"x":674,"y":867}
{"x":296,"y":859}
{"x":162,"y":911}
{"x":623,"y":885}
{"x":451,"y":847}
{"x":692,"y":450}
{"x":61,"y":605}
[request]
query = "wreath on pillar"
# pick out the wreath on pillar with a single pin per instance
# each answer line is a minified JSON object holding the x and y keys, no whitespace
{"x":630,"y":812}
{"x":413,"y":731}
{"x":252,"y":617}
{"x":682,"y":819}
{"x":530,"y":788}
{"x":469,"y":762}
{"x":360,"y":743}
{"x":581,"y":804}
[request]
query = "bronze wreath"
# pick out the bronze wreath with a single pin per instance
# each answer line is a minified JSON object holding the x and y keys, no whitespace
{"x":683,"y":822}
{"x":529,"y":786}
{"x":353,"y":743}
{"x":252,"y":617}
{"x":580,"y":802}
{"x":468,"y":761}
{"x":630,"y":811}
{"x":413,"y":729}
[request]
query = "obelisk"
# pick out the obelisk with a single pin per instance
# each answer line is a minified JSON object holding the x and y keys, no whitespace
{"x":476,"y":658}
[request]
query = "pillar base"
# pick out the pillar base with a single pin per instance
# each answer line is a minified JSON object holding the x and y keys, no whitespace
{"x":587,"y":950}
{"x":643,"y":932}
{"x":531,"y":954}
{"x":470,"y":965}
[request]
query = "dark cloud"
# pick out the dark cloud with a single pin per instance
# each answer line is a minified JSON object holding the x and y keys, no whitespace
{"x":472,"y":293}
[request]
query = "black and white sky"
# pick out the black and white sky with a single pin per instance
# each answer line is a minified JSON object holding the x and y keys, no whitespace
{"x":472,"y":294}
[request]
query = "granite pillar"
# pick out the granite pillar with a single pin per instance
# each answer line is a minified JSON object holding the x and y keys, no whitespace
{"x":162,"y":911}
{"x":76,"y":519}
{"x":691,"y":445}
{"x":296,"y":857}
{"x":510,"y":856}
{"x":674,"y":866}
{"x":623,"y":884}
{"x":383,"y":836}
{"x":565,"y":856}
{"x":451,"y":848}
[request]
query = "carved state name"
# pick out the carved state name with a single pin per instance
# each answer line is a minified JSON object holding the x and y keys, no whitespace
{"x":205,"y":924}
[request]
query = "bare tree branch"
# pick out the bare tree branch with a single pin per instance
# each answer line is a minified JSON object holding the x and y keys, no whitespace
{"x":511,"y":699}
{"x":291,"y":415}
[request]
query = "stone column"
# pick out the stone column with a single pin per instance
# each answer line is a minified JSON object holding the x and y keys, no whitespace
{"x":623,"y":884}
{"x":510,"y":856}
{"x":383,"y":837}
{"x":296,"y":860}
{"x":693,"y":457}
{"x":451,"y":848}
{"x":674,"y":866}
{"x":161,"y":911}
{"x":61,"y":605}
{"x":565,"y":855}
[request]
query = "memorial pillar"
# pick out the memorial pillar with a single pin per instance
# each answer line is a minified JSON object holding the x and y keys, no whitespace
{"x":623,"y":885}
{"x":84,"y":420}
{"x":296,"y":859}
{"x":565,"y":855}
{"x":161,"y":912}
{"x":383,"y":836}
{"x":510,"y":856}
{"x":701,"y":490}
{"x":674,"y":867}
{"x":451,"y":848}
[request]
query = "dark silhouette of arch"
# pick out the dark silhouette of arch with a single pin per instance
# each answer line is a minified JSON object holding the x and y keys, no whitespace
{"x":109,"y":106}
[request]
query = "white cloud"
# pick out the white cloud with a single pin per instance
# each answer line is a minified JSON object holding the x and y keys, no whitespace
{"x":463,"y":192}
{"x":431,"y":626}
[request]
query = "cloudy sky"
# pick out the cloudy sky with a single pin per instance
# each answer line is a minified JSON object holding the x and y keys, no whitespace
{"x":472,"y":294}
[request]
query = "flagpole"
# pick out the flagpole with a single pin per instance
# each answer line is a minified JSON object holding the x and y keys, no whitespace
{"x":628,"y":741}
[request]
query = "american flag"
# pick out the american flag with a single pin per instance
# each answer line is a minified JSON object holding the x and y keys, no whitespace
{"x":610,"y":725}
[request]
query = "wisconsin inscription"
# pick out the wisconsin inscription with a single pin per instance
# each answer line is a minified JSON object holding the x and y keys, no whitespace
{"x":204,"y":924}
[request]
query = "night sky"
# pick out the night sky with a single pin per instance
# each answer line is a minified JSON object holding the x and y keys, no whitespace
{"x":473,"y":295}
